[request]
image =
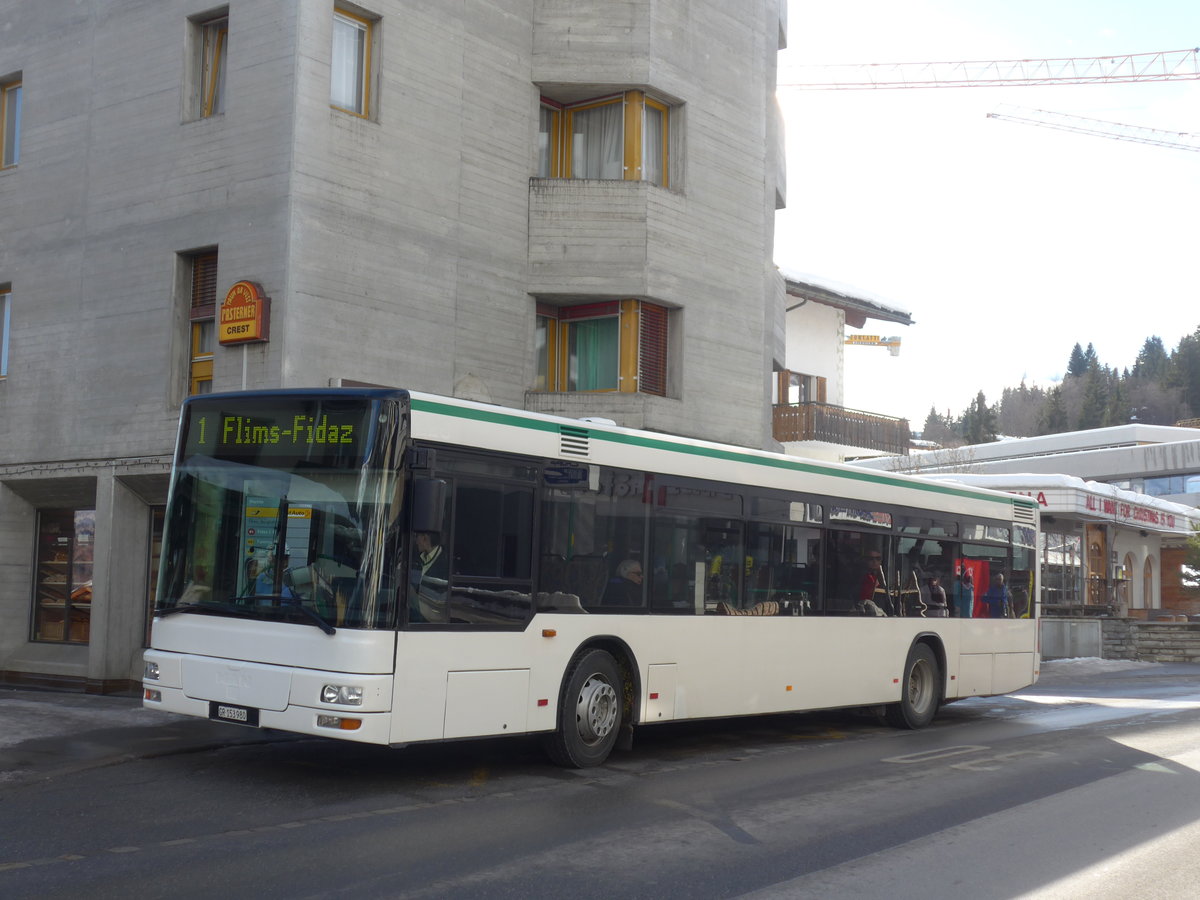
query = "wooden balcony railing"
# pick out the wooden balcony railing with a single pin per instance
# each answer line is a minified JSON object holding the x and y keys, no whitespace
{"x":838,"y":425}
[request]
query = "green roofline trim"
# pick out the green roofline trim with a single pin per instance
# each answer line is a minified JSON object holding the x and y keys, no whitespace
{"x":641,"y":439}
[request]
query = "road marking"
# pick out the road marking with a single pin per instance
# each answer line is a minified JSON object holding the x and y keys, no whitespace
{"x":931,"y":755}
{"x":981,"y":765}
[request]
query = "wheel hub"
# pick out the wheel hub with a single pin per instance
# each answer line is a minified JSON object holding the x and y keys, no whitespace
{"x":596,"y":709}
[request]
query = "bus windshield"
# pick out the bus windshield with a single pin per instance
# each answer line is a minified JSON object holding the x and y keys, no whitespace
{"x":280,"y":508}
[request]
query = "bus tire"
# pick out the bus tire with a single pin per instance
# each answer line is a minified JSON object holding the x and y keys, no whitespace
{"x":920,"y":690}
{"x":589,"y":712}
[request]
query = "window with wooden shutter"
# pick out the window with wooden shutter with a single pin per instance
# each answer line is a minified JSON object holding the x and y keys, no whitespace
{"x":203,"y":315}
{"x":652,"y":350}
{"x":605,"y":346}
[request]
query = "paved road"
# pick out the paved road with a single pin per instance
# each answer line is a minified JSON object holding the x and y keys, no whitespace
{"x":1075,"y":788}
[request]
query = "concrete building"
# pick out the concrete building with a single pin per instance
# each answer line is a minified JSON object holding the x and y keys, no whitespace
{"x":561,"y":206}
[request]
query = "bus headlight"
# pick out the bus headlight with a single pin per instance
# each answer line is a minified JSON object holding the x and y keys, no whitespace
{"x":150,"y":672}
{"x":345,"y":694}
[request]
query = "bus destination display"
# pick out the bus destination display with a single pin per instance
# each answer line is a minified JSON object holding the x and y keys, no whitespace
{"x":312,"y":433}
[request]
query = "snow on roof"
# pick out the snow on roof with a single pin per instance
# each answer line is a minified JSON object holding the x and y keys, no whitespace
{"x":838,"y":293}
{"x":1032,"y":482}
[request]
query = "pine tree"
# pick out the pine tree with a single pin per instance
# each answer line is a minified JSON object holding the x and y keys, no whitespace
{"x":979,"y":422}
{"x":1152,"y":360}
{"x":1053,"y":418}
{"x":1184,"y":372}
{"x":1094,"y":407}
{"x":1077,"y":365}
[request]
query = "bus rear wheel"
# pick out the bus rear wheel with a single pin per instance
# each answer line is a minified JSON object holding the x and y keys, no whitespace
{"x":589,"y":712}
{"x":920,"y":690}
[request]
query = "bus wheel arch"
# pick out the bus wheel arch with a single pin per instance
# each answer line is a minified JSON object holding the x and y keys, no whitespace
{"x":922,"y":685}
{"x":596,"y":702}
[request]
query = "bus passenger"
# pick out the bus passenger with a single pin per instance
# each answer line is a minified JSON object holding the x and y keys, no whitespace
{"x":997,"y":600}
{"x":626,"y":588}
{"x":264,"y":584}
{"x":873,"y":597}
{"x":428,"y":578}
{"x":937,"y":597}
{"x":963,"y":593}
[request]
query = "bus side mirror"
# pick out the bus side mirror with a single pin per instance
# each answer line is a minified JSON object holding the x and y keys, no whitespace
{"x":428,"y":504}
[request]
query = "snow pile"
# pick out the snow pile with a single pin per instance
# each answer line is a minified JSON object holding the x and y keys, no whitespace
{"x":1090,"y":665}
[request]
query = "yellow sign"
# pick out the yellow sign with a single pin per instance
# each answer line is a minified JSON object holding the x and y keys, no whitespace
{"x":245,"y":315}
{"x":271,"y":512}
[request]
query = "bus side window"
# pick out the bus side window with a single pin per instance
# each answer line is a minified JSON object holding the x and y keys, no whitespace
{"x":859,"y":576}
{"x":781,"y":567}
{"x":698,"y":563}
{"x":593,"y":519}
{"x":491,"y":554}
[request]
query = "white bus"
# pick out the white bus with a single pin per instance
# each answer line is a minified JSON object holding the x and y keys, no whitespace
{"x":393,"y":567}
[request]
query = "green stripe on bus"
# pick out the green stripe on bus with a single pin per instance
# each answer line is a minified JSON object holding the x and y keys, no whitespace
{"x":637,"y":440}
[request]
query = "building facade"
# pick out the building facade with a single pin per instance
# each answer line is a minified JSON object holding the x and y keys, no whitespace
{"x":561,"y":206}
{"x":810,"y":417}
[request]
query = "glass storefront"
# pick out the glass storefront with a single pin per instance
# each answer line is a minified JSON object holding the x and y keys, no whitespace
{"x":63,"y":587}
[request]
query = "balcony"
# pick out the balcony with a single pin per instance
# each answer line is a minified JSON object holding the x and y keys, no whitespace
{"x":827,"y":424}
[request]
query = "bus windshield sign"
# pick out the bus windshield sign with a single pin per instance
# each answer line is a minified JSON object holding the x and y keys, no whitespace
{"x":280,"y":431}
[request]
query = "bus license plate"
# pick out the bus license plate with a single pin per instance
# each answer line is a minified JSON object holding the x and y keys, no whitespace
{"x":240,"y":715}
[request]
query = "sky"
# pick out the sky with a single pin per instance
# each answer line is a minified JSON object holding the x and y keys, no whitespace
{"x":1008,"y":243}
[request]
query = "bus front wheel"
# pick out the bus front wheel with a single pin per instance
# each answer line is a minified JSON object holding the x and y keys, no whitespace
{"x":589,"y":712}
{"x":920,"y":690}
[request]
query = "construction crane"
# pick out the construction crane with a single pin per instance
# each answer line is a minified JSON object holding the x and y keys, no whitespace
{"x":874,"y":340}
{"x":1167,"y":65}
{"x":1083,"y":125}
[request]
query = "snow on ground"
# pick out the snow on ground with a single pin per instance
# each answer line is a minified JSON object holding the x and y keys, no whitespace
{"x":1090,"y":665}
{"x":23,"y":717}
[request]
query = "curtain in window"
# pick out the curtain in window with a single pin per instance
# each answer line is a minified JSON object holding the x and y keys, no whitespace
{"x":541,"y":347}
{"x":545,"y":124}
{"x":652,"y":146}
{"x":4,"y":328}
{"x":349,"y":53}
{"x":593,"y":355}
{"x":596,"y":151}
{"x":11,"y":126}
{"x":213,"y":74}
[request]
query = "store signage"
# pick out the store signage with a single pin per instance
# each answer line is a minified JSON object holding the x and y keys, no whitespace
{"x":1088,"y":505}
{"x":244,"y":316}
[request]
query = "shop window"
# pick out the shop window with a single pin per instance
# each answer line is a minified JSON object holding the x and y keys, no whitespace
{"x":10,"y":122}
{"x":63,"y":586}
{"x":611,"y":346}
{"x":622,"y":138}
{"x":5,"y":326}
{"x":351,"y":62}
{"x":202,"y":312}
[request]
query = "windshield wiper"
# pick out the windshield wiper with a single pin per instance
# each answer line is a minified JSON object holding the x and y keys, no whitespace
{"x":296,"y":606}
{"x":247,"y":609}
